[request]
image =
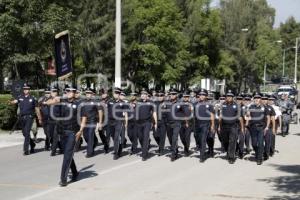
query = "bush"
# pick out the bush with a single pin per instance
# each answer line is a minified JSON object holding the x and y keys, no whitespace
{"x":8,"y":113}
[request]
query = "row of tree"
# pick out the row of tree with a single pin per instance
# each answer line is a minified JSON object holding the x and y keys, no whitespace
{"x":164,"y":41}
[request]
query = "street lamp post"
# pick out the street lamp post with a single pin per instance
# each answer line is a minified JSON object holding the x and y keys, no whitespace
{"x":118,"y":44}
{"x":296,"y":61}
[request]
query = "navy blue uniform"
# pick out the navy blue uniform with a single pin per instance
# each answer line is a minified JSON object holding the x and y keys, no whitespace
{"x":230,"y":114}
{"x":71,"y":125}
{"x":257,"y":124}
{"x":186,"y":126}
{"x":203,"y":112}
{"x":132,"y":127}
{"x":90,"y":108}
{"x":102,"y":106}
{"x":160,"y":133}
{"x":54,"y":128}
{"x":45,"y":112}
{"x":27,"y":105}
{"x":144,"y":113}
{"x":174,"y":118}
{"x":115,"y":127}
{"x":269,"y":134}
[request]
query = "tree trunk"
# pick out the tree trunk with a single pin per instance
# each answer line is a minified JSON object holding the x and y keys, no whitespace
{"x":1,"y":80}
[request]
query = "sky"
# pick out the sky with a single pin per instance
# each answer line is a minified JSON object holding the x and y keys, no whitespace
{"x":284,"y":9}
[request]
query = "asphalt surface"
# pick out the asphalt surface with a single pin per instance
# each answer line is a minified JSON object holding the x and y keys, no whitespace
{"x":37,"y":176}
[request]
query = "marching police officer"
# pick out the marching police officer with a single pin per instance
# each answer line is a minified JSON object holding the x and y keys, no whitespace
{"x":187,"y":123}
{"x":161,"y":132}
{"x":204,"y":121}
{"x":271,"y":128}
{"x":241,"y":133}
{"x":117,"y":119}
{"x":174,"y":118}
{"x":286,"y":108}
{"x":28,"y":108}
{"x":45,"y":113}
{"x":230,"y":120}
{"x":259,"y":122}
{"x":72,"y":131}
{"x":271,"y":102}
{"x":246,"y":104}
{"x":90,"y":107}
{"x":145,"y":112}
{"x":102,"y":126}
{"x":132,"y":123}
{"x":54,"y":125}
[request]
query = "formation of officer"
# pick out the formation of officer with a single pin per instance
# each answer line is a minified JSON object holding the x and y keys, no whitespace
{"x":237,"y":121}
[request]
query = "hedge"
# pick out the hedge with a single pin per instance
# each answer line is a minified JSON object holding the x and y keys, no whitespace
{"x":8,"y":113}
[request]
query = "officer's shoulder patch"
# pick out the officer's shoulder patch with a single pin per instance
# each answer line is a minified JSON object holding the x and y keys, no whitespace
{"x":207,"y":106}
{"x":74,"y":106}
{"x":234,"y":106}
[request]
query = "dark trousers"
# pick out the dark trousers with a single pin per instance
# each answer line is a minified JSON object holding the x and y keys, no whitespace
{"x":229,"y":135}
{"x":90,"y":138}
{"x":103,"y":136}
{"x":132,"y":135}
{"x":54,"y":134}
{"x":267,"y":140}
{"x":201,"y":133}
{"x":257,"y":139}
{"x":247,"y":138}
{"x":273,"y":141}
{"x":285,"y":123}
{"x":241,"y":141}
{"x":160,"y":135}
{"x":173,"y":133}
{"x":185,"y":135}
{"x":211,"y":140}
{"x":116,"y":130}
{"x":46,"y":131}
{"x":68,"y":141}
{"x":143,"y":131}
{"x":27,"y":121}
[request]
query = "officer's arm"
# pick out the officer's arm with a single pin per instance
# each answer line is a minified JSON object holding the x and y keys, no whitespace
{"x":53,"y":101}
{"x":82,"y":125}
{"x":154,"y":114}
{"x":15,"y":101}
{"x":100,"y":114}
{"x":38,"y":114}
{"x":268,"y":121}
{"x":273,"y":124}
{"x":212,"y":120}
{"x":126,"y":119}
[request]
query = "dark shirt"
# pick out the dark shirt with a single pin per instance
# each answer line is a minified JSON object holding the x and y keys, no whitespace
{"x":144,"y":110}
{"x":230,"y":113}
{"x":69,"y":111}
{"x":90,"y":108}
{"x":45,"y":109}
{"x":203,"y":111}
{"x":258,"y":114}
{"x":27,"y":105}
{"x":175,"y":111}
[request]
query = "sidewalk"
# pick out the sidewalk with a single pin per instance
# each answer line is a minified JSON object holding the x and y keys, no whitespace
{"x":16,"y":138}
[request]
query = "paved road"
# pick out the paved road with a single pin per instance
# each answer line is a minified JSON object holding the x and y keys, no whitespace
{"x":36,"y":176}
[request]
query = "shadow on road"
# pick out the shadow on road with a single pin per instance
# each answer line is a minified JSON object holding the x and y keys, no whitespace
{"x":289,"y":184}
{"x":85,"y":173}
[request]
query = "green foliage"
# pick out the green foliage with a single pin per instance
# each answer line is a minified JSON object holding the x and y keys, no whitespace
{"x":8,"y":113}
{"x":164,"y":41}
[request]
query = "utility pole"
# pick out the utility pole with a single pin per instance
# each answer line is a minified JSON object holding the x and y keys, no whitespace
{"x":118,"y":44}
{"x":296,"y":62}
{"x":265,"y":75}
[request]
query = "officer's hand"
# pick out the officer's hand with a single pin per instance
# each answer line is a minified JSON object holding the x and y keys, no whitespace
{"x":274,"y":131}
{"x":100,"y":126}
{"x":219,"y":129}
{"x":40,"y":122}
{"x":265,"y":131}
{"x":155,"y":127}
{"x":187,"y":124}
{"x":78,"y":135}
{"x":212,"y":129}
